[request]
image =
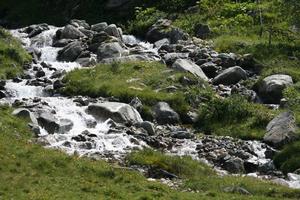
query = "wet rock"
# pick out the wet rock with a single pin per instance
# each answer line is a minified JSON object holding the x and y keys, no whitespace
{"x":70,"y":32}
{"x":2,"y":84}
{"x":234,"y":165}
{"x":271,"y":87}
{"x":99,"y":27}
{"x":2,"y":95}
{"x":40,"y":73}
{"x":148,"y":126}
{"x":110,"y":50}
{"x":189,"y":66}
{"x":35,"y":129}
{"x":119,"y":112}
{"x":281,"y":130}
{"x":35,"y":53}
{"x":62,"y":42}
{"x":58,"y":74}
{"x":24,"y":113}
{"x":48,"y":122}
{"x":80,"y":24}
{"x":113,"y":30}
{"x":230,"y":76}
{"x":70,"y":52}
{"x":65,"y":125}
{"x":79,"y":138}
{"x":17,"y":80}
{"x":82,"y":101}
{"x":91,"y":123}
{"x":35,"y":30}
{"x":267,"y":168}
{"x":164,"y":114}
{"x":58,"y":84}
{"x":250,"y":167}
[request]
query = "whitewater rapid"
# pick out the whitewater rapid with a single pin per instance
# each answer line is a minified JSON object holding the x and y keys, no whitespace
{"x":100,"y":143}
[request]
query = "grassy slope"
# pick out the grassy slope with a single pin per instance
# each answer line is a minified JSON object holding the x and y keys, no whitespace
{"x":12,"y":56}
{"x":242,"y":121}
{"x":135,"y":79}
{"x":28,"y":171}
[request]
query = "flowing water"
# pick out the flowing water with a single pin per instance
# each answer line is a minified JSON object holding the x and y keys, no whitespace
{"x":101,"y":144}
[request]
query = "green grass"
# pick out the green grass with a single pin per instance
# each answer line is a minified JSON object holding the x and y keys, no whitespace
{"x":234,"y":116}
{"x":29,"y":171}
{"x":12,"y":56}
{"x":275,"y":59}
{"x":288,"y":160}
{"x":146,"y":80}
{"x":198,"y":176}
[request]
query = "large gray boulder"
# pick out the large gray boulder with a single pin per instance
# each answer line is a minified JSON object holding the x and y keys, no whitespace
{"x":36,"y":29}
{"x":80,"y":24}
{"x":271,"y":87}
{"x":110,"y":50}
{"x":53,"y":125}
{"x":234,"y":165}
{"x":48,"y":122}
{"x":70,"y":32}
{"x":189,"y":66}
{"x":113,"y":30}
{"x":230,"y":76}
{"x":99,"y":27}
{"x":70,"y":52}
{"x":25,"y":113}
{"x":119,"y":112}
{"x":164,"y":114}
{"x":281,"y":130}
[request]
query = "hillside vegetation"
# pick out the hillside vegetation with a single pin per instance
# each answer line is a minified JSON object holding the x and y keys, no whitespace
{"x":29,"y":171}
{"x":12,"y":56}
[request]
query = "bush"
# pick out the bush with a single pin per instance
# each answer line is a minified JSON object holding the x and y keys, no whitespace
{"x":144,"y":19}
{"x":288,"y":160}
{"x":234,"y":116}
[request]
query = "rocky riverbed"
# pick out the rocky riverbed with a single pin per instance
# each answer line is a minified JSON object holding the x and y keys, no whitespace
{"x":103,"y":128}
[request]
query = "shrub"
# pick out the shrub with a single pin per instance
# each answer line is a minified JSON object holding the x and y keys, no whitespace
{"x":288,"y":160}
{"x":234,"y":116}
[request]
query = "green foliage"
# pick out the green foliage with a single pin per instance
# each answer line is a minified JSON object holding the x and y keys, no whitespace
{"x":198,"y":176}
{"x":234,"y":116}
{"x":148,"y":81}
{"x":12,"y":56}
{"x":29,"y":171}
{"x":280,"y":58}
{"x":184,"y":167}
{"x":144,"y":19}
{"x":288,"y":160}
